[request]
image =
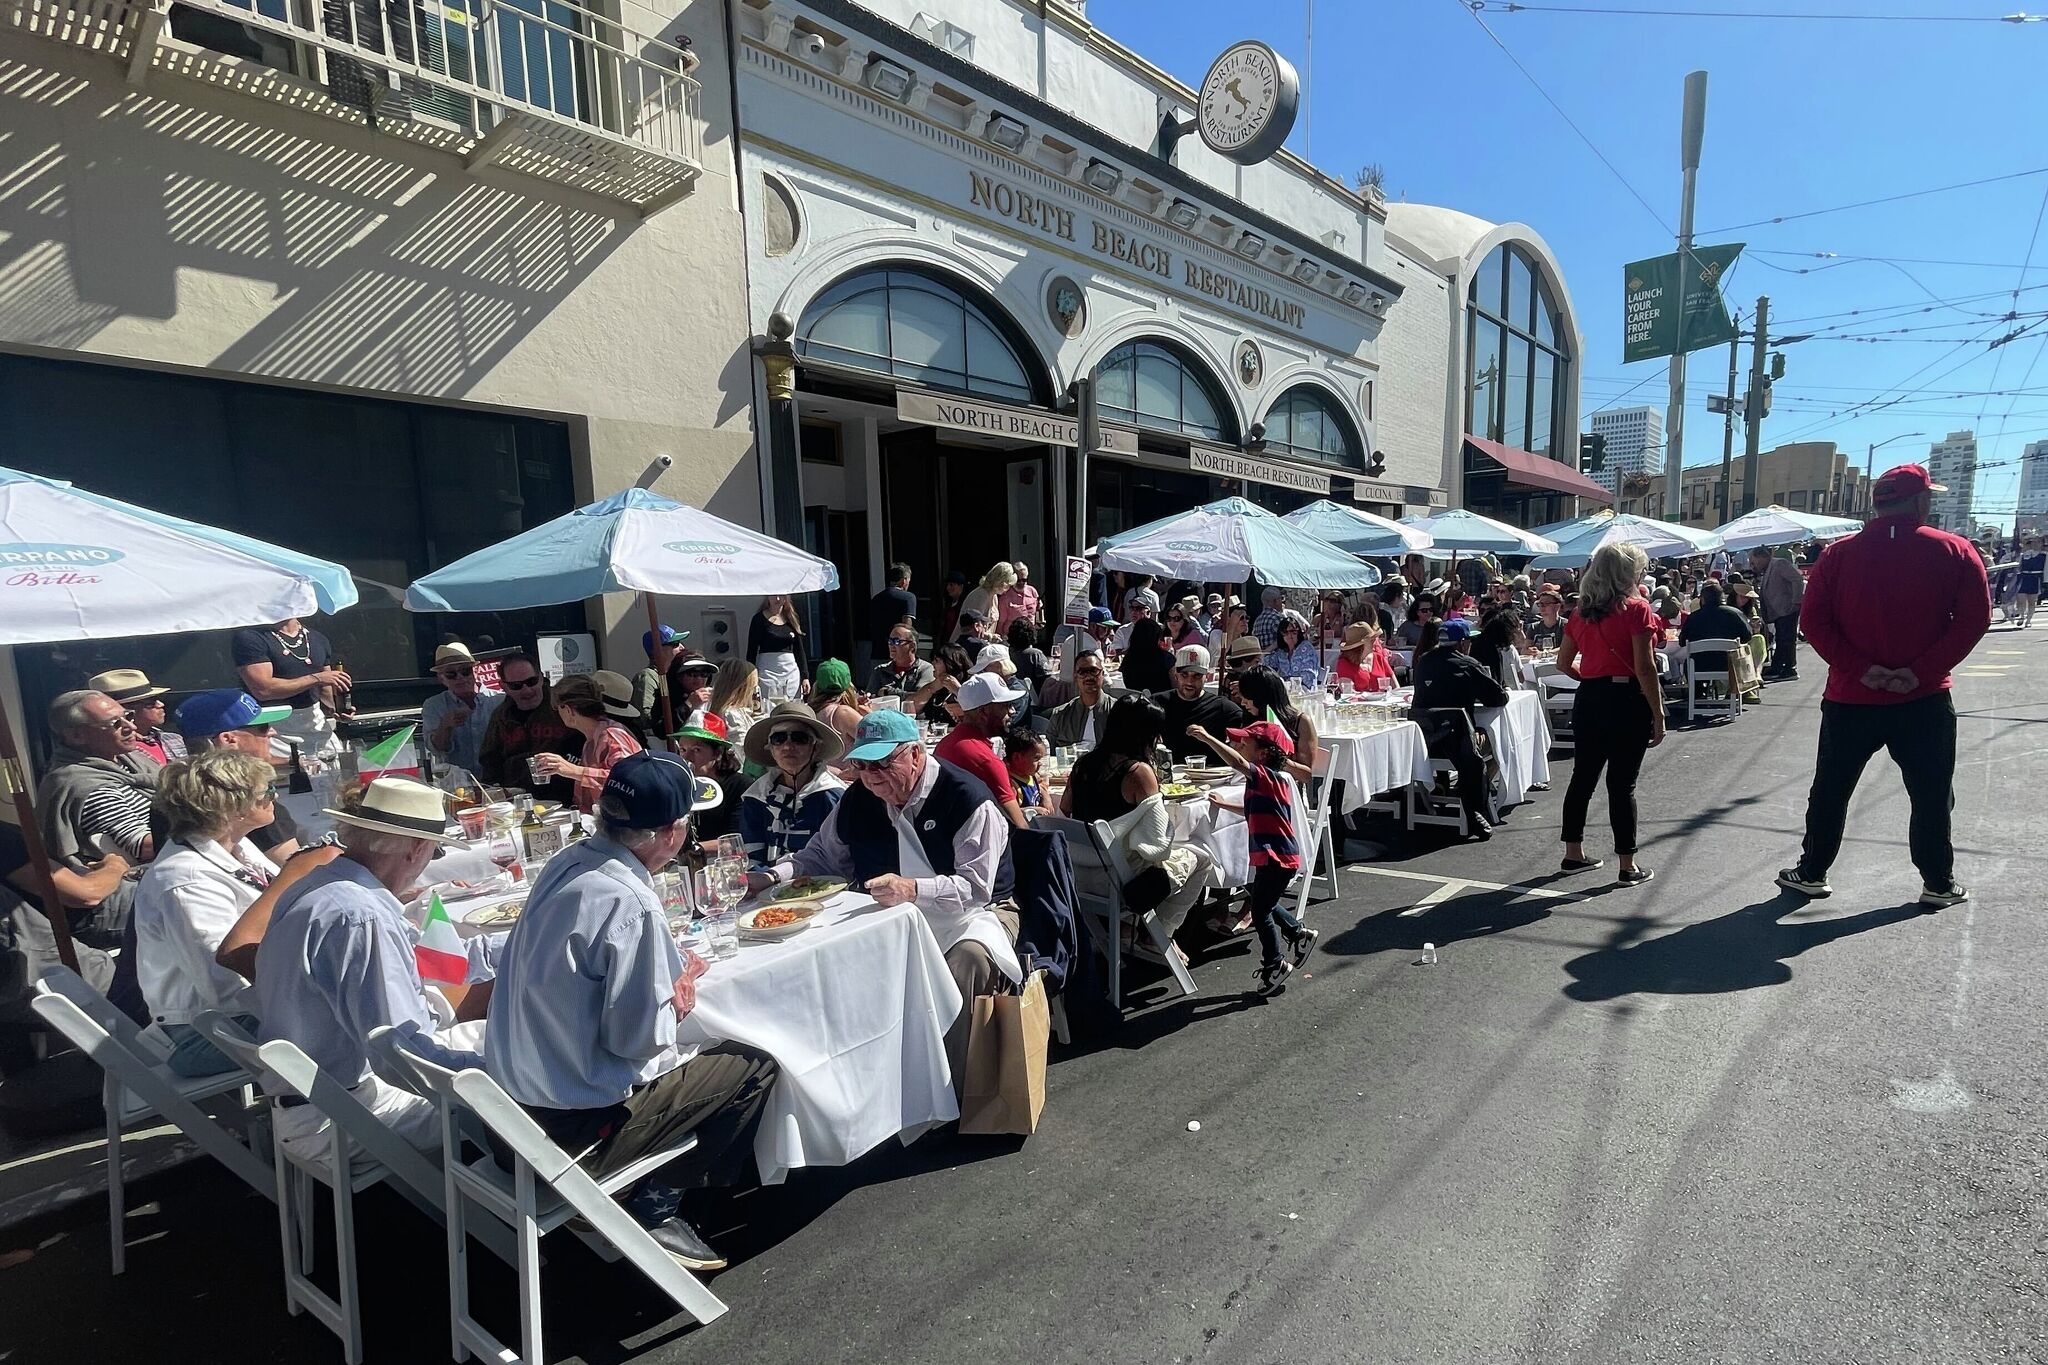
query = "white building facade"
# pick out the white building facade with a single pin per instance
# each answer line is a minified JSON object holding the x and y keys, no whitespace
{"x":1635,"y":453}
{"x":951,"y":222}
{"x":1953,"y":463}
{"x":2032,"y":510}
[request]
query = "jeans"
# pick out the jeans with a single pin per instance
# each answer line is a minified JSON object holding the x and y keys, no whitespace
{"x":1921,"y":738}
{"x":193,"y":1053}
{"x":1274,"y":925}
{"x":1611,"y":731}
{"x":1785,"y":643}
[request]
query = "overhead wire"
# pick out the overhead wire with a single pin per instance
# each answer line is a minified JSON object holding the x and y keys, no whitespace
{"x":1870,"y":203}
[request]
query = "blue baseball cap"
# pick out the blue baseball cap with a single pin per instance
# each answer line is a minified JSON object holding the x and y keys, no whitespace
{"x":1453,"y":631}
{"x":1100,"y":616}
{"x":881,"y":733}
{"x":651,"y":790}
{"x":666,"y":635}
{"x":206,"y":714}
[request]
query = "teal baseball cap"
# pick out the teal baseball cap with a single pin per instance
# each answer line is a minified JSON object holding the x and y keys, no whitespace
{"x":881,"y":733}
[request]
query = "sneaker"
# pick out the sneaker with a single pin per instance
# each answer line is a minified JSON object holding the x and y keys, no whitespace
{"x":1792,"y":879}
{"x":1301,"y":945}
{"x":1955,"y":893}
{"x":1580,"y":864}
{"x":1634,"y":876}
{"x":684,"y":1246}
{"x":1273,"y":977}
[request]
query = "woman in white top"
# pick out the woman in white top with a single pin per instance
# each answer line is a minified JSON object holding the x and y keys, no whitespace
{"x":1000,"y":578}
{"x":195,"y":890}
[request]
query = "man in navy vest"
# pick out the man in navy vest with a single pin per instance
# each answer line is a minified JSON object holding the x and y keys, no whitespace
{"x":918,"y":831}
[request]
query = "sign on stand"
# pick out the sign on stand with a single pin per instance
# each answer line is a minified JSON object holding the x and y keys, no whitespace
{"x":565,"y":656}
{"x":1078,"y":575}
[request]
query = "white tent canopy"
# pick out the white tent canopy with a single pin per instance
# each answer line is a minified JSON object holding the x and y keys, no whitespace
{"x":1775,"y":525}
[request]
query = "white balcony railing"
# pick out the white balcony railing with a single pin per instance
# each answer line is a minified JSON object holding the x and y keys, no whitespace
{"x":546,"y":88}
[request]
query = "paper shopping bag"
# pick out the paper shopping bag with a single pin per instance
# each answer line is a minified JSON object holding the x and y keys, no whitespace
{"x":1006,"y":1042}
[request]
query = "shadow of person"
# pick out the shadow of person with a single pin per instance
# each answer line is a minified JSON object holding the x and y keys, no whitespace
{"x":1740,"y":951}
{"x":1473,"y":915}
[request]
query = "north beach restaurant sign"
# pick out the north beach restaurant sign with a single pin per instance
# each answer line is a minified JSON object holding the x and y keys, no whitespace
{"x":1147,"y":257}
{"x":1232,"y":466}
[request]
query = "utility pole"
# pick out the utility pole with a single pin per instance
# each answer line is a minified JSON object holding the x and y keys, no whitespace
{"x":1753,"y":404}
{"x":1691,"y":135}
{"x":1728,"y":431}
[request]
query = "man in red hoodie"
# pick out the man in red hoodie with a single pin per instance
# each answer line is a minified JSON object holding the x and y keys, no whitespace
{"x":1892,"y":609}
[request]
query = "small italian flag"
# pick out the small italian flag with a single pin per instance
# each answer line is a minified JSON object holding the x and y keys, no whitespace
{"x":390,"y":755}
{"x":439,"y":953}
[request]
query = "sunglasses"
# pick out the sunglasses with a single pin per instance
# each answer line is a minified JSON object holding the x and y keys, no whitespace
{"x":784,"y":737}
{"x":257,"y":730}
{"x":522,"y":684}
{"x":455,"y":672}
{"x":902,"y":640}
{"x":120,"y":722}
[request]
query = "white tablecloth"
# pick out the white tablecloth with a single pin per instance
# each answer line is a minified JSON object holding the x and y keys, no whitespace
{"x":1521,"y":741}
{"x":1382,"y":761}
{"x":855,"y":1011}
{"x":1219,"y":832}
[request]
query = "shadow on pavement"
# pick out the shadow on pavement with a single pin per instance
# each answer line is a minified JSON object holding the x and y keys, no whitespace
{"x":1742,"y":950}
{"x":1473,"y":915}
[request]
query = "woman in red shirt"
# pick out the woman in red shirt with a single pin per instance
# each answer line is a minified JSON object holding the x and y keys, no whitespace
{"x":1363,"y":658}
{"x":1618,"y":711}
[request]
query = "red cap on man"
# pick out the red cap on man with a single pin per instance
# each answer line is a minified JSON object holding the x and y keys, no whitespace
{"x":1904,"y":484}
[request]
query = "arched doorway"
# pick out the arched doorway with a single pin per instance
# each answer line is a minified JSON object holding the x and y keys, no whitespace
{"x":1171,"y":399}
{"x":882,"y":483}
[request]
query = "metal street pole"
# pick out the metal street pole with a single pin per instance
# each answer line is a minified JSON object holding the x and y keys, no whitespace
{"x":1753,"y":406}
{"x":1691,"y":135}
{"x":1870,"y":455}
{"x":1728,"y":430}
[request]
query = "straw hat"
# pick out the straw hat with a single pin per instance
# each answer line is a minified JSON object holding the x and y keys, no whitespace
{"x":1245,"y":649}
{"x":830,"y":745}
{"x":399,"y":805}
{"x":1357,"y":636}
{"x":454,"y":653}
{"x":615,"y":691}
{"x":129,"y":686}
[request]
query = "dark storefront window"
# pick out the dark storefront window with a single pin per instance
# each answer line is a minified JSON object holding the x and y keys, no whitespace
{"x":390,"y":490}
{"x":912,"y":326}
{"x":1152,"y":384}
{"x":1306,"y":424}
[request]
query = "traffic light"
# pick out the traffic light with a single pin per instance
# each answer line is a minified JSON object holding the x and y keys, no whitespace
{"x":1592,"y":452}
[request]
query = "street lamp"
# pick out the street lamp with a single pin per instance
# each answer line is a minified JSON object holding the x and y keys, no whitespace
{"x":1870,"y":455}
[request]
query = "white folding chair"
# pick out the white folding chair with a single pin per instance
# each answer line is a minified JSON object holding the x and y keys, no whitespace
{"x":1428,"y":806}
{"x":1729,"y":705}
{"x":354,"y":1126}
{"x":1091,"y":845}
{"x":1319,"y":841}
{"x":1559,"y":696}
{"x":140,"y":1086}
{"x":545,"y":1189}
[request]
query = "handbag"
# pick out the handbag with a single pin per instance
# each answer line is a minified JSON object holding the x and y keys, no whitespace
{"x":1004,"y":1090}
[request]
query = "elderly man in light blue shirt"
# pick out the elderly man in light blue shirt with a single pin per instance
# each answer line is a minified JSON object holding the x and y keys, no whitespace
{"x":337,"y":961}
{"x":589,"y":992}
{"x":453,"y":720}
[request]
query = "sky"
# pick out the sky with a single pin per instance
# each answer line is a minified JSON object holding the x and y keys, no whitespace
{"x":1801,"y":116}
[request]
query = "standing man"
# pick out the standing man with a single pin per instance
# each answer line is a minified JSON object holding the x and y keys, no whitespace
{"x":1266,"y":625}
{"x":292,"y":663}
{"x":144,"y":701}
{"x":454,"y":719}
{"x":1892,"y":609}
{"x":894,"y":607}
{"x":590,"y":991}
{"x":1779,"y":587}
{"x":94,"y":801}
{"x":662,"y":644}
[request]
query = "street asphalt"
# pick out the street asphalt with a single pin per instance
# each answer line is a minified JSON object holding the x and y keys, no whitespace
{"x":1695,"y":1121}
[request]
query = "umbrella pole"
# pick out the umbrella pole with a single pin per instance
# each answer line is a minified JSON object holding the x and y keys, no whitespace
{"x":15,"y":780}
{"x":668,"y":707}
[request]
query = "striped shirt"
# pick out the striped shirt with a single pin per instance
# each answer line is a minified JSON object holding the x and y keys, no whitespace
{"x":1269,"y":817}
{"x":120,"y":813}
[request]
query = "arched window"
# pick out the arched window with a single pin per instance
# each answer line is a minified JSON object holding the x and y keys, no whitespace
{"x":1307,"y":424}
{"x":1151,"y":384}
{"x":913,"y":326}
{"x":1519,"y":366}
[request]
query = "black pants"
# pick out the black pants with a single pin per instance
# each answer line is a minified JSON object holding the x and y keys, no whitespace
{"x":718,"y":1095}
{"x":1447,"y":738}
{"x":1785,"y":643}
{"x":1274,"y":926}
{"x":1611,"y":732}
{"x":1921,"y":738}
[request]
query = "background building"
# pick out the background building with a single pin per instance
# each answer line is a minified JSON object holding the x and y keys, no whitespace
{"x":1805,"y":476}
{"x":259,"y":273}
{"x":1953,"y":462}
{"x":1635,"y":456}
{"x":2032,"y":512}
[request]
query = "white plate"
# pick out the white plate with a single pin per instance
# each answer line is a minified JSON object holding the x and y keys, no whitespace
{"x":747,"y":928}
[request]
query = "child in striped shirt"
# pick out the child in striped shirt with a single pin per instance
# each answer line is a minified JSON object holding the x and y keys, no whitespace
{"x":1260,"y":751}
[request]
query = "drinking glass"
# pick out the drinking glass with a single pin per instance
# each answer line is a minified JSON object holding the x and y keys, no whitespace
{"x":731,"y":848}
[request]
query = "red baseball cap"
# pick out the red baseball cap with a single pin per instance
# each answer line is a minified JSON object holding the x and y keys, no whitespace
{"x":1907,"y":481}
{"x":1268,"y":731}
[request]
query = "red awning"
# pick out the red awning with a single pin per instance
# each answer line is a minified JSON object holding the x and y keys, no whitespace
{"x":1535,"y":471}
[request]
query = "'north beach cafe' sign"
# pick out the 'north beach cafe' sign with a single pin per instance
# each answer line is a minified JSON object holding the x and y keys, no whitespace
{"x":1056,"y":220}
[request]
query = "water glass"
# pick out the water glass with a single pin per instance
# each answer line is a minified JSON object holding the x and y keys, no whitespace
{"x":731,"y":849}
{"x":722,"y":935}
{"x":533,"y":772}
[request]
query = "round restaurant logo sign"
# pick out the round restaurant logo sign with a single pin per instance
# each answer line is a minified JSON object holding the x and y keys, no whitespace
{"x":1248,"y":102}
{"x":1197,"y":546}
{"x":702,"y":547}
{"x":42,"y":564}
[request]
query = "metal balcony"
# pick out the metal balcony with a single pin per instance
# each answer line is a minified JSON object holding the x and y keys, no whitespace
{"x":542,"y":88}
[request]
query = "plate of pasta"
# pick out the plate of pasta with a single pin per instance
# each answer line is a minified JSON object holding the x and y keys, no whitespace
{"x":777,"y":921}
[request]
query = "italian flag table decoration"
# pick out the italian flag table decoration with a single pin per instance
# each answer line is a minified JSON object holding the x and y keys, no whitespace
{"x":439,"y":954}
{"x":392,"y":756}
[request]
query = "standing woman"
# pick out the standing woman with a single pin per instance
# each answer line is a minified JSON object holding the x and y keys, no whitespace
{"x":596,"y":717}
{"x":2026,"y":590}
{"x":1618,"y":710}
{"x":775,"y":647}
{"x":998,"y":580}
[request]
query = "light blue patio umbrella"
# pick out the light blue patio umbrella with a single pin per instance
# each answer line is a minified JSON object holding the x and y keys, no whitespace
{"x":1462,"y":532}
{"x":1579,"y":537}
{"x":635,"y":541}
{"x":1357,"y":530}
{"x":1226,"y":506}
{"x":1231,"y":541}
{"x":1775,"y":525}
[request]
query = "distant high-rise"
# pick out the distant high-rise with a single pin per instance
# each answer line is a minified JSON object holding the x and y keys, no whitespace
{"x":1635,"y":445}
{"x":2033,"y":505}
{"x":1954,"y":462}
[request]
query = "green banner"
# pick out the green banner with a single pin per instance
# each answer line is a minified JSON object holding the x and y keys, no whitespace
{"x":1655,"y":322}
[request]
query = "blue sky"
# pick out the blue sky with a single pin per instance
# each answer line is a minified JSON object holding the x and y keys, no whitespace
{"x":1800,"y":116}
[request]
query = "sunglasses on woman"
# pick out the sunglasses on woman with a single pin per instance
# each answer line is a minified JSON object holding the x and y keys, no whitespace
{"x":782,"y":738}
